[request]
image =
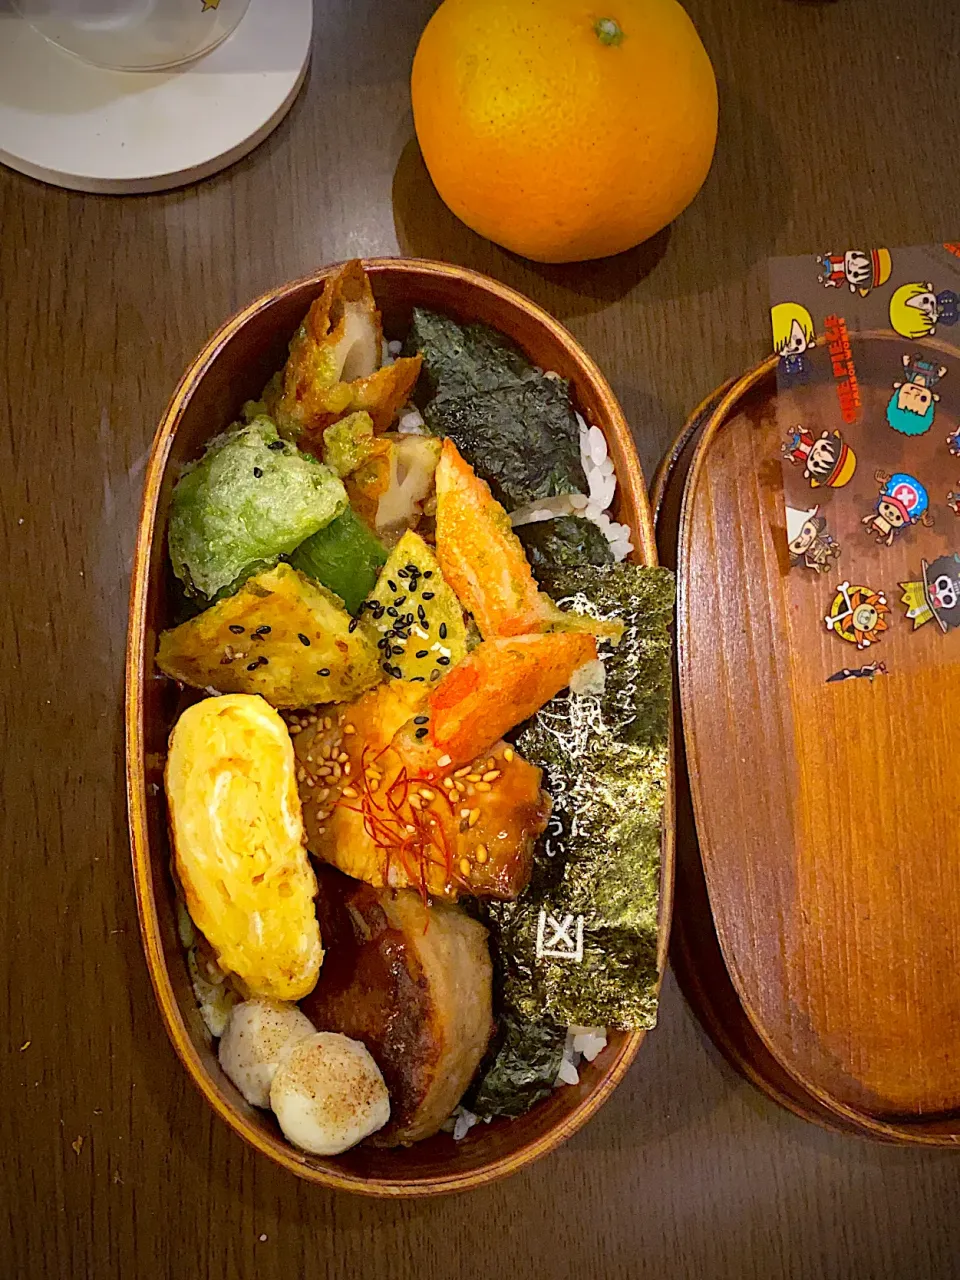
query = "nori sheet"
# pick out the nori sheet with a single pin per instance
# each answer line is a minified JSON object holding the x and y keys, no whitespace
{"x":598,"y":864}
{"x":461,"y":359}
{"x":563,"y":543}
{"x":521,"y":1069}
{"x":514,"y":424}
{"x":524,"y":439}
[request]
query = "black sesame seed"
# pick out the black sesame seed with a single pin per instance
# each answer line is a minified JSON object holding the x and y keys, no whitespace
{"x":392,"y":585}
{"x":252,"y":666}
{"x":275,"y":445}
{"x":257,"y":472}
{"x":397,"y":650}
{"x":421,"y":719}
{"x":421,"y":679}
{"x":391,"y":612}
{"x":422,"y":733}
{"x":428,"y":595}
{"x":263,"y":661}
{"x":421,"y":613}
{"x":404,"y":573}
{"x":395,"y":671}
{"x":353,"y":624}
{"x":382,"y":642}
{"x":400,"y":600}
{"x":324,"y":671}
{"x":434,"y":675}
{"x":443,"y":631}
{"x":428,"y":573}
{"x":443,"y":662}
{"x":304,"y":640}
{"x":422,"y":653}
{"x":236,"y":629}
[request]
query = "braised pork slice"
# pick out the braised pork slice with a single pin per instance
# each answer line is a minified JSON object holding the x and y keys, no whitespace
{"x":413,"y":983}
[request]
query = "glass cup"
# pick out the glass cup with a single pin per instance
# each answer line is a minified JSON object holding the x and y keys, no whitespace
{"x":134,"y":35}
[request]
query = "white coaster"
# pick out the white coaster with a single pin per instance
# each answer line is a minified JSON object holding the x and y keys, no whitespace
{"x":120,"y":132}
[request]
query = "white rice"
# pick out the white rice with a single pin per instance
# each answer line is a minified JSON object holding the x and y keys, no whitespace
{"x":582,"y":1042}
{"x":411,"y":422}
{"x":389,"y":351}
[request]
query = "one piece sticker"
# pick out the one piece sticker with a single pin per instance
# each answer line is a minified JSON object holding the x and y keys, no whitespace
{"x":913,"y":404}
{"x":867,"y":672}
{"x":793,"y":336}
{"x":935,"y":597}
{"x":858,"y":615}
{"x":916,"y":309}
{"x":903,"y":501}
{"x":859,"y":269}
{"x":826,"y":459}
{"x":808,"y":541}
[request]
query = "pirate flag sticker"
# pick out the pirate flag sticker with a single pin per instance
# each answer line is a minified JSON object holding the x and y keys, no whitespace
{"x":827,"y":460}
{"x":808,"y":541}
{"x":936,"y":598}
{"x":903,"y":501}
{"x":857,"y":615}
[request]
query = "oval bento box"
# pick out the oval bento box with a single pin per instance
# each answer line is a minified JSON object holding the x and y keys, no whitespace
{"x":234,"y":366}
{"x":816,"y":932}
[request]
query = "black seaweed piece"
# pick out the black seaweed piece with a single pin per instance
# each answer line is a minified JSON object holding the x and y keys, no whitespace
{"x":461,"y":359}
{"x":580,"y":943}
{"x":523,"y":440}
{"x":563,"y":543}
{"x":521,"y":1069}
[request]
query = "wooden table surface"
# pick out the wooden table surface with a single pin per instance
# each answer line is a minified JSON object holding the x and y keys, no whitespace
{"x":838,"y":127}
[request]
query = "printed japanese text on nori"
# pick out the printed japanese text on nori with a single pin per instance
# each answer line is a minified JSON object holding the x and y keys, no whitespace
{"x":580,"y":944}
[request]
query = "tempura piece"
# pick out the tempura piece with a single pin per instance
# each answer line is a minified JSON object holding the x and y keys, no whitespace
{"x":333,"y":367}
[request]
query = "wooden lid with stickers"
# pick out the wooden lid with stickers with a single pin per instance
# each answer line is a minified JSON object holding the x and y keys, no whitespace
{"x":817,"y":918}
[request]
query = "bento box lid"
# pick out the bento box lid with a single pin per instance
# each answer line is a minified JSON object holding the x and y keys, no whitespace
{"x":818,"y":881}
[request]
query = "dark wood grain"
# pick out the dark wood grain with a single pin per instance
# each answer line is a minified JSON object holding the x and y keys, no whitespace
{"x":837,"y":125}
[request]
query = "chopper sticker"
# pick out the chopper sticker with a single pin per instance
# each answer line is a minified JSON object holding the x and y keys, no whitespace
{"x":953,"y":500}
{"x":827,"y":460}
{"x":914,"y":402}
{"x":808,"y":541}
{"x":793,"y":335}
{"x":903,"y":501}
{"x":953,"y":443}
{"x":936,"y":596}
{"x":858,"y":615}
{"x":861,"y":270}
{"x":915,"y":310}
{"x":859,"y":673}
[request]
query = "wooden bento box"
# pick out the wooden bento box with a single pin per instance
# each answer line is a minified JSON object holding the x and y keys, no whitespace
{"x":232,"y":367}
{"x":817,"y":921}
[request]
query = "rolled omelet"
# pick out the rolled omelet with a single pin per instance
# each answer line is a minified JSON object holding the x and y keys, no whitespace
{"x":238,"y":844}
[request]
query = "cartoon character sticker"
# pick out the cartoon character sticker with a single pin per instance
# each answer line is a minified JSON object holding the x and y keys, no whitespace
{"x":914,"y":401}
{"x":808,"y":541}
{"x":903,"y":501}
{"x":827,"y":460}
{"x":858,"y":615}
{"x":859,"y":673}
{"x":953,"y":443}
{"x":862,"y":270}
{"x":915,"y":310}
{"x":953,"y":500}
{"x":936,"y":596}
{"x":793,"y":335}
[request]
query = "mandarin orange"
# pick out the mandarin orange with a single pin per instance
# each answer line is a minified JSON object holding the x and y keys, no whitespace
{"x":560,"y":129}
